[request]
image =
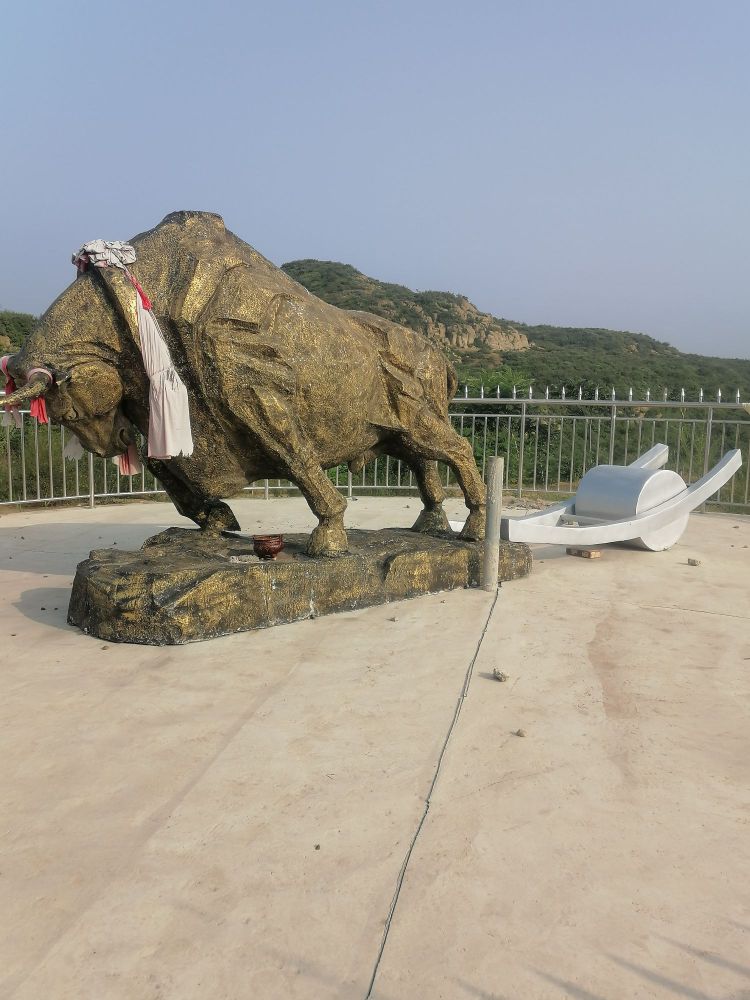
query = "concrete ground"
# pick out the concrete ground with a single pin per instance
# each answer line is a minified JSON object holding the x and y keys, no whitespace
{"x":228,"y":820}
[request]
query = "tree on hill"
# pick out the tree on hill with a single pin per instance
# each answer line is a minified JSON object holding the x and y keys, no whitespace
{"x":14,"y":329}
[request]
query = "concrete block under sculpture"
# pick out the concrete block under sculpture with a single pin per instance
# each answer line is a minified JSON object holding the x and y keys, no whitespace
{"x":280,"y":384}
{"x":185,"y":585}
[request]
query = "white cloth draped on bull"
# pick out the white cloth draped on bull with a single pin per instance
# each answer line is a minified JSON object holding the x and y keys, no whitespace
{"x":169,"y":433}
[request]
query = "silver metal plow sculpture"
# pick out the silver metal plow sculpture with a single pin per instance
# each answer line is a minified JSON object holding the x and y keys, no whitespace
{"x":641,"y":504}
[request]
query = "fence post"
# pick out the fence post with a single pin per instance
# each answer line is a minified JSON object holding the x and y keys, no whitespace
{"x":265,"y":489}
{"x":92,"y":494}
{"x":612,"y":419}
{"x":707,"y":449}
{"x":349,"y":483}
{"x":521,"y":448}
{"x":8,"y":459}
{"x":491,"y":560}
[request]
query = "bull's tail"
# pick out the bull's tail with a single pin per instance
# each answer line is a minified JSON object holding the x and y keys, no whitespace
{"x":451,"y":380}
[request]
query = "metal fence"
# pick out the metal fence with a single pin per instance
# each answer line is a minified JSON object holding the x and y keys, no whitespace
{"x":548,"y":444}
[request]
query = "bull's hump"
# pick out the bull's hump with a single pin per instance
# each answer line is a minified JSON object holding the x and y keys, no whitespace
{"x":180,"y":218}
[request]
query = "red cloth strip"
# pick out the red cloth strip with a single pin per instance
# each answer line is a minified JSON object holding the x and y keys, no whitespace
{"x":38,"y":410}
{"x":144,"y":298}
{"x":129,"y":462}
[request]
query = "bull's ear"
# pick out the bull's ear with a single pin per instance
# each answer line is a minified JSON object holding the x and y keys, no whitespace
{"x":33,"y":390}
{"x":8,"y":365}
{"x":58,"y":375}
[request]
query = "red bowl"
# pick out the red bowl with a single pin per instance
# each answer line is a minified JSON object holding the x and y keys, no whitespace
{"x":267,"y":546}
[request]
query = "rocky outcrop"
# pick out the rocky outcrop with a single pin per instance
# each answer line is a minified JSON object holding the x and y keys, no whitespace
{"x":466,"y":329}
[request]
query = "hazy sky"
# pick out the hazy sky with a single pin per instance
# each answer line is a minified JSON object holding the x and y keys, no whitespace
{"x":577,"y":162}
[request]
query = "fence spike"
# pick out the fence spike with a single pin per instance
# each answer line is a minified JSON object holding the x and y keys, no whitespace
{"x":466,"y":392}
{"x":630,"y":393}
{"x":531,"y":393}
{"x":481,"y":391}
{"x":497,"y":391}
{"x":614,"y":394}
{"x":580,"y":392}
{"x":700,"y":395}
{"x":562,"y":394}
{"x":596,"y":392}
{"x":665,"y":394}
{"x":648,"y":395}
{"x":682,"y":395}
{"x":737,"y":395}
{"x":514,"y":392}
{"x":546,"y":392}
{"x":718,"y":395}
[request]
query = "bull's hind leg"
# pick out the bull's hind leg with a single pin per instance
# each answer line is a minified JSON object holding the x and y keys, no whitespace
{"x":432,"y":520}
{"x":432,"y":438}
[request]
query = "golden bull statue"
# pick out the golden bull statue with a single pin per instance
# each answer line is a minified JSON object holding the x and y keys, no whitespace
{"x":280,"y":384}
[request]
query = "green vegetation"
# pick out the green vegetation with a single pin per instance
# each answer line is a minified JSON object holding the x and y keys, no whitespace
{"x":14,"y":329}
{"x":564,"y":356}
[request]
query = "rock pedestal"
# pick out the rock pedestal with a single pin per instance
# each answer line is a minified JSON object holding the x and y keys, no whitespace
{"x":184,"y":585}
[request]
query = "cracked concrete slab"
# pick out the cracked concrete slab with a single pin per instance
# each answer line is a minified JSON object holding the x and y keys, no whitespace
{"x":229,"y":819}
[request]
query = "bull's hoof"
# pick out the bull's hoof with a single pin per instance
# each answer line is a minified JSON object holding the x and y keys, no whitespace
{"x":473,"y":530}
{"x":217,"y":516}
{"x":327,"y":540}
{"x":432,"y":522}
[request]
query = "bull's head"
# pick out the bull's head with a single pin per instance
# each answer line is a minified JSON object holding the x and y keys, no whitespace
{"x":87,"y":400}
{"x":81,"y":341}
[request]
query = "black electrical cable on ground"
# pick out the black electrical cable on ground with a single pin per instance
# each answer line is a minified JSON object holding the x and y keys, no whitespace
{"x":407,"y":858}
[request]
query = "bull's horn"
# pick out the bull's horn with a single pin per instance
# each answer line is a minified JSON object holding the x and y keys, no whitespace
{"x":36,"y":388}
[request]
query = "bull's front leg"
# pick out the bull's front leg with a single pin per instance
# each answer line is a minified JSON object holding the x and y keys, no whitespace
{"x":209,"y":513}
{"x":276,"y":429}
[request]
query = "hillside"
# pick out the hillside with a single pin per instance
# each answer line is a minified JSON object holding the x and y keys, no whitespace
{"x":499,"y":351}
{"x":450,"y":319}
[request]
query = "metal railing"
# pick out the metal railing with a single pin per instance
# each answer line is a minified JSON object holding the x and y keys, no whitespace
{"x":548,"y":444}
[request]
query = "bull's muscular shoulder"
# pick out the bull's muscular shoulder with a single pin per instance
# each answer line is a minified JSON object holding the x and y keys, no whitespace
{"x":185,"y":259}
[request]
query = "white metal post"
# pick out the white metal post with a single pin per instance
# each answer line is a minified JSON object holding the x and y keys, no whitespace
{"x":522,"y":439}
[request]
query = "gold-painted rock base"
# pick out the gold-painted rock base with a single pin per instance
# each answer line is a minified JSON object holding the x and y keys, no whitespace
{"x":185,"y":585}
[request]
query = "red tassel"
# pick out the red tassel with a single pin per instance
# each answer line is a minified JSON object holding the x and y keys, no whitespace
{"x":145,"y":300}
{"x":38,"y":409}
{"x":129,"y":462}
